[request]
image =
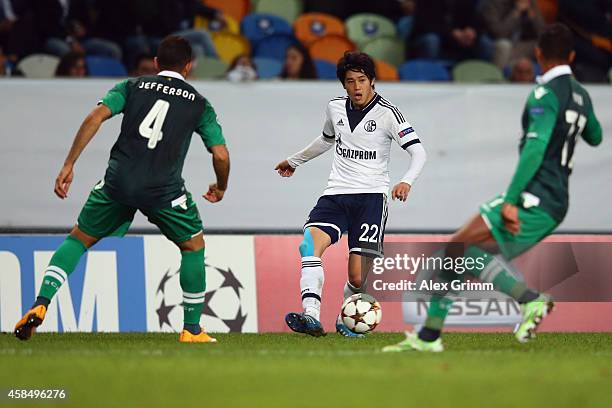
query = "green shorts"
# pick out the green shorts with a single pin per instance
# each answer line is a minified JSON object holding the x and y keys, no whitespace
{"x":536,"y":224}
{"x":102,"y":216}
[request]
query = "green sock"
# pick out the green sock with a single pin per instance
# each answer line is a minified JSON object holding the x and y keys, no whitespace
{"x":493,"y":271}
{"x":62,"y":264}
{"x":498,"y":273}
{"x":193,"y":283}
{"x":440,"y":303}
{"x":439,"y":307}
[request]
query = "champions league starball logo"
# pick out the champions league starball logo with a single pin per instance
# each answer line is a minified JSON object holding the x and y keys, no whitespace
{"x":222,"y":306}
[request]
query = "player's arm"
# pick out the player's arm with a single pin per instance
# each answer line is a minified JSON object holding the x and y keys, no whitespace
{"x":404,"y":134}
{"x":212,"y":136}
{"x":320,"y":145}
{"x":593,"y":133}
{"x":542,"y":113}
{"x":110,"y":105}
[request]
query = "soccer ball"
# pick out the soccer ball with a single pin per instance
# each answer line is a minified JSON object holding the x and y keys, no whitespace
{"x":361,"y":313}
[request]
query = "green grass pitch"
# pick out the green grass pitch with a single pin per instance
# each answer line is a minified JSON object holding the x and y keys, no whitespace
{"x":289,"y":370}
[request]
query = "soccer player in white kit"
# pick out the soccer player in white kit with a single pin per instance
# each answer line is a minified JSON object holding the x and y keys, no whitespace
{"x":361,"y":128}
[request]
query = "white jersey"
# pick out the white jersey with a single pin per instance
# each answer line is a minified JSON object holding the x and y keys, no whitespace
{"x":363,"y":141}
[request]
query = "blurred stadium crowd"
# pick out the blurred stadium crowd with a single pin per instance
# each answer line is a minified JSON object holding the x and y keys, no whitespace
{"x":241,"y":40}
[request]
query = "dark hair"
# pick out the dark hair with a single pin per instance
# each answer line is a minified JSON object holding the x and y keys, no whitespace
{"x":308,"y":70}
{"x":235,"y":62}
{"x":67,"y":62}
{"x":355,"y":61}
{"x":174,"y":53}
{"x":556,"y":42}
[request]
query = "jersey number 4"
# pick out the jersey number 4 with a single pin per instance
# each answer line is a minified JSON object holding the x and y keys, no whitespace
{"x":151,"y":126}
{"x":578,"y":123}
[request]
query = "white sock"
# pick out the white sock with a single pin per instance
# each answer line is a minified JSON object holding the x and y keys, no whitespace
{"x":311,"y":285}
{"x":350,"y":290}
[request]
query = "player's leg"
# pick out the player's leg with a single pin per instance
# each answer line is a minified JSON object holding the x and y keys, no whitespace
{"x":193,"y":284}
{"x":358,"y":269}
{"x":101,"y":216}
{"x":366,"y":231}
{"x":483,"y":236}
{"x":324,"y":227}
{"x":312,"y":247}
{"x":183,"y":226}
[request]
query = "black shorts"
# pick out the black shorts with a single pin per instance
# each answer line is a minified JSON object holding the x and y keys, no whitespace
{"x":363,"y":216}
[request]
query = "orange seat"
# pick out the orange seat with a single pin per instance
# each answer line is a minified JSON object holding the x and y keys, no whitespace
{"x":385,"y":71}
{"x":309,"y":27}
{"x":237,"y":9}
{"x":229,"y":46}
{"x":330,"y":48}
{"x":549,"y":9}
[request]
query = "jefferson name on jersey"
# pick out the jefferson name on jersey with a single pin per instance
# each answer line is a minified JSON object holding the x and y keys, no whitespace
{"x":167,"y":90}
{"x":363,"y":144}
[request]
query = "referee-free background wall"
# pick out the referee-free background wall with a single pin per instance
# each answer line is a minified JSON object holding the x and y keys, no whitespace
{"x":471,"y":134}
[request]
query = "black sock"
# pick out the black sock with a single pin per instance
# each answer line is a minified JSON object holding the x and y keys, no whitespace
{"x":427,"y":334}
{"x":42,"y":301}
{"x":192,"y":328}
{"x":528,"y":296}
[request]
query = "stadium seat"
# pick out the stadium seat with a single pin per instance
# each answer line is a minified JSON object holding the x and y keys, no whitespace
{"x":274,"y":46}
{"x":38,"y":66}
{"x":388,"y":49}
{"x":214,"y":26}
{"x":229,"y":46}
{"x":105,"y":67}
{"x":385,"y":71}
{"x":423,"y":70}
{"x":363,"y":28}
{"x":325,"y":69}
{"x":257,"y":26}
{"x":237,"y":9}
{"x":310,"y":27}
{"x":287,"y":9}
{"x":474,"y":71}
{"x":404,"y":27}
{"x":330,"y":48}
{"x":268,"y":68}
{"x":209,"y":68}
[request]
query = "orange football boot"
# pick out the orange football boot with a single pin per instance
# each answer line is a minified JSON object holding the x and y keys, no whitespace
{"x":25,"y":328}
{"x":187,"y":337}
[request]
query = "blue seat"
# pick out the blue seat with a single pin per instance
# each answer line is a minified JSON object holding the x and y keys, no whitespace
{"x":257,"y":26}
{"x":268,"y":68}
{"x":423,"y":70}
{"x":325,"y":69}
{"x":404,"y":27}
{"x":105,"y":67}
{"x":274,"y":46}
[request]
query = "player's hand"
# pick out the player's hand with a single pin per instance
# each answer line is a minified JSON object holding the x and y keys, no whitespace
{"x":284,"y":169}
{"x":401,"y":191}
{"x":63,"y":181}
{"x":214,"y":194}
{"x":511,"y":220}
